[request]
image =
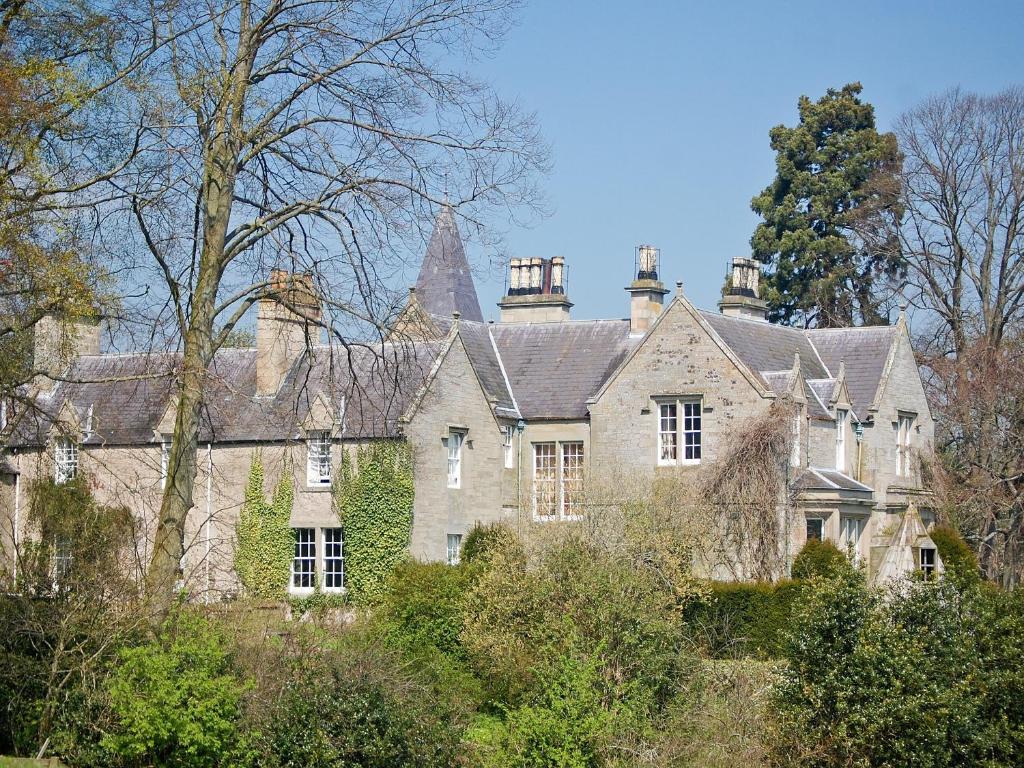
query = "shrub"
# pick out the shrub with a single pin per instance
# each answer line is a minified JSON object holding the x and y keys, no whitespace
{"x":743,"y":619}
{"x":176,"y":702}
{"x":819,"y":558}
{"x":266,"y":544}
{"x":483,"y":541}
{"x":353,"y":705}
{"x":957,"y":556}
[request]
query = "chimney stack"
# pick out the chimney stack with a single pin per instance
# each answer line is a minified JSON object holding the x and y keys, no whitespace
{"x":740,"y":298}
{"x":58,"y":340}
{"x":285,"y":326}
{"x":646,"y":292}
{"x":536,"y":291}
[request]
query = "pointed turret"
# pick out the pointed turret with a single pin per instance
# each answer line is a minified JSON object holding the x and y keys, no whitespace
{"x":445,"y":284}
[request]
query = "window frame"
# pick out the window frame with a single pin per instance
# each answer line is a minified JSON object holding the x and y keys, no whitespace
{"x":456,"y":439}
{"x":553,"y":480}
{"x":928,"y":569}
{"x":795,"y":454}
{"x":842,"y":418}
{"x":453,"y":556}
{"x":508,"y":435}
{"x":679,"y":425}
{"x":904,"y":429}
{"x":65,"y":460}
{"x":322,"y":440}
{"x":569,"y":501}
{"x":821,"y":526}
{"x":165,"y":459}
{"x":326,"y":574}
{"x":308,"y":556}
{"x":859,"y":524}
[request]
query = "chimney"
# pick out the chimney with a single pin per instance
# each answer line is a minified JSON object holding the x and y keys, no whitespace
{"x":58,"y":340}
{"x":646,"y":292}
{"x":286,"y":324}
{"x":740,"y":296}
{"x":536,"y":291}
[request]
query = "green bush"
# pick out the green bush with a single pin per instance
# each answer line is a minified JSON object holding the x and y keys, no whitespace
{"x":353,"y":705}
{"x":927,"y":673}
{"x":483,"y":541}
{"x":819,"y":558}
{"x":176,"y":701}
{"x":957,"y":556}
{"x":743,"y":619}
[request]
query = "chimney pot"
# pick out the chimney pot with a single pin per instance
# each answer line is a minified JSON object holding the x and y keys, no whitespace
{"x":646,"y":293}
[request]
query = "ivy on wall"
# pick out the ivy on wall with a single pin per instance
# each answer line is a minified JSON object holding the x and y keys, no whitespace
{"x":374,"y":502}
{"x":265,"y":546}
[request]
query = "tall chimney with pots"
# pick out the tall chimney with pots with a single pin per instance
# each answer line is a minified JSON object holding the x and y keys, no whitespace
{"x":740,"y":297}
{"x":646,"y":292}
{"x":286,"y":324}
{"x":58,"y":340}
{"x":537,"y":291}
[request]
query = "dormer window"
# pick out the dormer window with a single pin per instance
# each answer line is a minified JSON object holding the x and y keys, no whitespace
{"x":927,"y":561}
{"x":65,"y":460}
{"x":318,"y":458}
{"x":904,"y":429}
{"x":842,"y":417}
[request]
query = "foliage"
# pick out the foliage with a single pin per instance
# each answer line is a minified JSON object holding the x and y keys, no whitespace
{"x":819,"y":559}
{"x":919,"y":675}
{"x":483,"y":541}
{"x":176,"y":700}
{"x":374,"y":502}
{"x":266,"y":544}
{"x":317,"y":603}
{"x":744,"y":619}
{"x":62,"y":621}
{"x":958,"y":558}
{"x":349,"y":705}
{"x":834,"y":178}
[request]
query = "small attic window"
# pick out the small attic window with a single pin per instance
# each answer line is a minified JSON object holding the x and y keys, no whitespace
{"x":927,"y":561}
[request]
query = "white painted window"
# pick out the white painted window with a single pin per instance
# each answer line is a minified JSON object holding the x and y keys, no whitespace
{"x":904,"y":429}
{"x":65,"y":455}
{"x":165,"y":458}
{"x":794,"y":455}
{"x":815,"y":529}
{"x":318,"y":458}
{"x":454,"y":548}
{"x":60,"y":561}
{"x":304,"y":561}
{"x":851,"y":530}
{"x":87,"y":429}
{"x":668,"y":433}
{"x":674,"y":432}
{"x":507,"y":432}
{"x":3,"y":415}
{"x":545,"y":480}
{"x":333,"y":559}
{"x":455,"y":443}
{"x":927,"y":561}
{"x":842,"y":417}
{"x":572,"y":478}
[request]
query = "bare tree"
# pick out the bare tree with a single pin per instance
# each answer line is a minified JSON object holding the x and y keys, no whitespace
{"x":962,"y":238}
{"x":310,"y":135}
{"x":963,"y":233}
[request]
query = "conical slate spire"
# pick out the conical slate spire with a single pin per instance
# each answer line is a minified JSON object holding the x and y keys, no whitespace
{"x":445,"y":284}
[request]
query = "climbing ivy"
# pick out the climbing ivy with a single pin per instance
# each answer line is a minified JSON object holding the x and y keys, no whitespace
{"x":374,"y":502}
{"x":265,"y":546}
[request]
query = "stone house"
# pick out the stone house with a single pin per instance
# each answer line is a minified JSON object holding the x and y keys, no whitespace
{"x":507,"y":421}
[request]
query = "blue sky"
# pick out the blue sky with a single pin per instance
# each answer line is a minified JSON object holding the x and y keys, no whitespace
{"x":658,"y":116}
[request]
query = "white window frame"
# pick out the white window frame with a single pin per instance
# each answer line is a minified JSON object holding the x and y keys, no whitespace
{"x":318,"y":458}
{"x":794,"y":454}
{"x":680,"y":441}
{"x":550,"y":483}
{"x":842,"y":417}
{"x":571,"y":456}
{"x":165,"y":457}
{"x":928,"y":569}
{"x":507,"y":433}
{"x":455,"y":442}
{"x":453,"y":554}
{"x":851,"y":532}
{"x":305,"y":552}
{"x":332,"y":553}
{"x":61,"y":561}
{"x":65,"y":460}
{"x":904,"y":429}
{"x":821,"y":524}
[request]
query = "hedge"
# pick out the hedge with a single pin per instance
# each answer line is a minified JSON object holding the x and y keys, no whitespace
{"x":744,"y":619}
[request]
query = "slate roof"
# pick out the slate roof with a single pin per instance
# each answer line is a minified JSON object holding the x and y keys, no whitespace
{"x":766,"y":347}
{"x":445,"y":283}
{"x":129,"y":394}
{"x":864,"y":350}
{"x":554,"y":368}
{"x":816,"y":478}
{"x":476,"y":337}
